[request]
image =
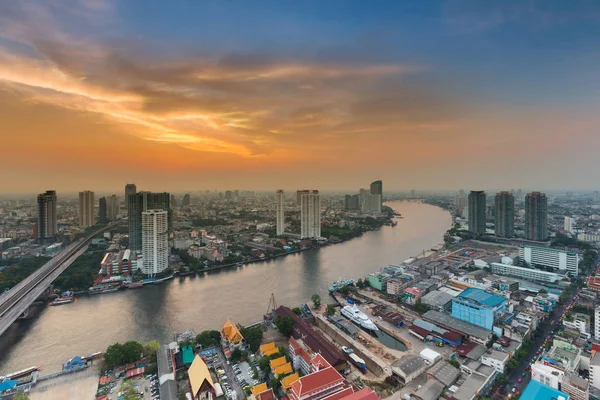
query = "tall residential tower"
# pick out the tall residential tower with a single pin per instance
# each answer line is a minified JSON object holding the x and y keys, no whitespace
{"x":504,"y":216}
{"x":280,"y":217}
{"x":138,"y":203}
{"x":155,"y":239}
{"x":377,"y":189}
{"x":536,"y":216}
{"x":130,"y":188}
{"x":310,"y":214}
{"x":86,"y":209}
{"x":477,"y":206}
{"x":47,"y":219}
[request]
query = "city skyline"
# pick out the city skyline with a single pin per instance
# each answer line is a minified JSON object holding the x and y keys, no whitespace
{"x":236,"y":95}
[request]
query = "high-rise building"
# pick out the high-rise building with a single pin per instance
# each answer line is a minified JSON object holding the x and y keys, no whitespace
{"x":299,"y":197}
{"x":155,"y":241}
{"x":352,"y":202}
{"x":86,"y":209}
{"x":477,"y":206}
{"x":310,"y":214}
{"x":460,"y":200}
{"x":371,"y":203}
{"x":377,"y":189}
{"x":138,"y":203}
{"x":519,"y":195}
{"x":597,"y":323}
{"x":113,"y":207}
{"x":130,"y":188}
{"x":536,"y":216}
{"x":280,"y":217}
{"x":228,"y":195}
{"x":186,"y":200}
{"x":102,"y":210}
{"x":412,"y":194}
{"x":569,"y":225}
{"x":504,"y":216}
{"x":47,"y":218}
{"x":596,"y":196}
{"x":173,"y":201}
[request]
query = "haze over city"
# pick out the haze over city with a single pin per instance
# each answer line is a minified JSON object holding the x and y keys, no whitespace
{"x":424,"y":95}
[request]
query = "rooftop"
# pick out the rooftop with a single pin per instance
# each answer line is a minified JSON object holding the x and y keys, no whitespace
{"x":457,"y":325}
{"x":538,"y":391}
{"x":482,"y":297}
{"x":409,"y":364}
{"x":315,"y":381}
{"x":431,"y":390}
{"x":436,"y":298}
{"x":445,"y":373}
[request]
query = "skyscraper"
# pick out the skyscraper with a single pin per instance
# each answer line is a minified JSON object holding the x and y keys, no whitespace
{"x":504,"y":216}
{"x":173,"y":201}
{"x":477,"y":207}
{"x":86,"y":209}
{"x":130,"y":188}
{"x":138,"y":203}
{"x":536,"y":216}
{"x":280,"y":215}
{"x":47,"y":219}
{"x":595,"y":196}
{"x":377,"y":188}
{"x":519,"y":195}
{"x":155,"y":241}
{"x":299,"y":197}
{"x":102,"y":210}
{"x":310,"y":214}
{"x":569,"y":225}
{"x":113,"y":207}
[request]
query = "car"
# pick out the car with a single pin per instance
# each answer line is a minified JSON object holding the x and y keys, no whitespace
{"x":520,"y":380}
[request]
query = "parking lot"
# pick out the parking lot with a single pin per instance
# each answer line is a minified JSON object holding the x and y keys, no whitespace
{"x":232,"y":377}
{"x":146,"y":386}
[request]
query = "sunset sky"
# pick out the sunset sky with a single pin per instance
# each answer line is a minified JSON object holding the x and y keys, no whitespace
{"x":257,"y":94}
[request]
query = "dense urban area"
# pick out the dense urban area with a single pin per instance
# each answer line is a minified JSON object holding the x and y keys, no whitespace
{"x":505,"y":307}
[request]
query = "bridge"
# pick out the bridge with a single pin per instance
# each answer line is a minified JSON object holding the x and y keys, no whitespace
{"x":17,"y":300}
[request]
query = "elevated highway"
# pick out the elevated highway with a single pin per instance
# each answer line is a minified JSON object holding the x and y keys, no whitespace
{"x":17,"y":300}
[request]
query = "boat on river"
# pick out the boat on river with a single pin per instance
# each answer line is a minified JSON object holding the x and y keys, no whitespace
{"x":337,"y":285}
{"x":358,"y":317}
{"x":99,"y":289}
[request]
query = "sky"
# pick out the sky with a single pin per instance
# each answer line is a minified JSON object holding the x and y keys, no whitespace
{"x":331,"y":95}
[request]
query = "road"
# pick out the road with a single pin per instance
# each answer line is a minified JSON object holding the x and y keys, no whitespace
{"x":16,"y":301}
{"x":544,"y":331}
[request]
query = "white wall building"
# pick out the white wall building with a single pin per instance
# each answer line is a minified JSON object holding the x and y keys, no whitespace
{"x":588,"y":237}
{"x":597,"y":323}
{"x":310,"y":214}
{"x":371,"y":203}
{"x":155,"y":241}
{"x":86,"y":209}
{"x":547,"y":375}
{"x":113,"y":207}
{"x":495,"y":359}
{"x":570,"y":225}
{"x":526,"y":273}
{"x":280,"y":217}
{"x":595,"y":370}
{"x":554,"y":258}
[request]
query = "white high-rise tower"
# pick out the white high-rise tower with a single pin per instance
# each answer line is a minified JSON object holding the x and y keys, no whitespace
{"x":155,"y":241}
{"x":86,"y":209}
{"x":310,"y":214}
{"x":280,"y":215}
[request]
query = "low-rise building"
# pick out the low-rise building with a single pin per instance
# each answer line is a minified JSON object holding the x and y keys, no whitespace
{"x":538,"y":391}
{"x":478,"y":307}
{"x":578,"y":388}
{"x":495,"y":359}
{"x":409,"y":367}
{"x":526,"y":273}
{"x":437,"y":300}
{"x":548,"y":257}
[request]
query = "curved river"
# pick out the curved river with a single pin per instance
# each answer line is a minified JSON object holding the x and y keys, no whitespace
{"x":92,"y":323}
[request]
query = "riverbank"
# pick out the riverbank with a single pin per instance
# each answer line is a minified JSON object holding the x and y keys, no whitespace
{"x":203,"y":302}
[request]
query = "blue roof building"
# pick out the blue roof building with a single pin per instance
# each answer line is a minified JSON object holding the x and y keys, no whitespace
{"x":478,"y":307}
{"x":538,"y":391}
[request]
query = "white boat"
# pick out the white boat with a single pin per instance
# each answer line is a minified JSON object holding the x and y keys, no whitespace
{"x":358,"y":317}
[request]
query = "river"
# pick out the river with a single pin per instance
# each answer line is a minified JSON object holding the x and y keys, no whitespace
{"x":242,"y":294}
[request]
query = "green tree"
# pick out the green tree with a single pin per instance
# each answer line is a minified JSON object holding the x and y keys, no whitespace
{"x":275,"y":384}
{"x":264,"y":365}
{"x":542,"y":291}
{"x":128,"y":391}
{"x":502,"y":379}
{"x":316,"y":299}
{"x":21,"y":396}
{"x":297,"y":310}
{"x":236,"y":356}
{"x":208,"y":338}
{"x":360,"y":283}
{"x":253,"y":337}
{"x":151,"y":347}
{"x":285,"y":325}
{"x":118,"y":354}
{"x":454,"y":363}
{"x":330,"y":310}
{"x":420,"y":307}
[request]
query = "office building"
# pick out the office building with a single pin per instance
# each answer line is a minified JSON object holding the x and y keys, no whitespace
{"x":102,"y":210}
{"x":371,"y":203}
{"x":130,"y":189}
{"x":478,"y":307}
{"x":569,"y":225}
{"x":138,"y":203}
{"x":310,"y":214}
{"x":547,"y":257}
{"x":280,"y":216}
{"x":504,"y":216}
{"x":536,"y":216}
{"x":155,"y":241}
{"x":477,"y":205}
{"x":173,"y":201}
{"x":113,"y":207}
{"x":377,"y":189}
{"x":529,"y":274}
{"x":352,"y":202}
{"x":47,"y":218}
{"x":86,"y":209}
